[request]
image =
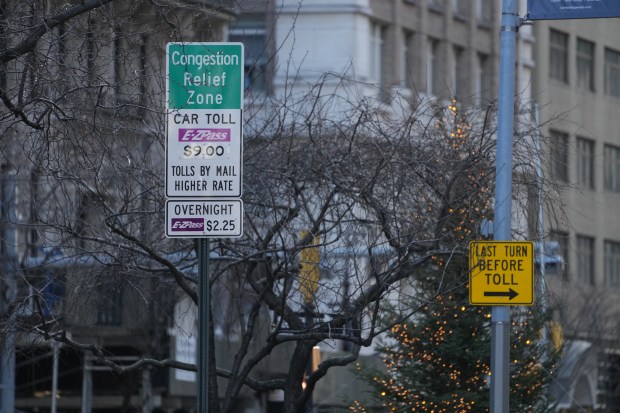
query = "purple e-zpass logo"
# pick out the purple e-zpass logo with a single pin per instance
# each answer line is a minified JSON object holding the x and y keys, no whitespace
{"x":204,"y":135}
{"x":188,"y":224}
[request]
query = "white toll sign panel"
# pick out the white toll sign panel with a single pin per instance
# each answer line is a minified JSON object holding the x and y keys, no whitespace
{"x":204,"y":153}
{"x":204,"y":219}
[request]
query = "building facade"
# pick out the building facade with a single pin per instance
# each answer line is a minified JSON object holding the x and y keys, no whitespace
{"x":566,"y":79}
{"x":387,"y":48}
{"x":388,"y":54}
{"x":86,"y":80}
{"x":576,"y":87}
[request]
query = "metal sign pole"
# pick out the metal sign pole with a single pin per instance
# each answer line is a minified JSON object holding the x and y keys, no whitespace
{"x":203,"y":325}
{"x":204,"y":152}
{"x":500,"y":315}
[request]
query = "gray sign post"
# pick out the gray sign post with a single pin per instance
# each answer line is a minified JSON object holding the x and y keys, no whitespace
{"x":204,"y":98}
{"x":537,"y":9}
{"x":500,"y":315}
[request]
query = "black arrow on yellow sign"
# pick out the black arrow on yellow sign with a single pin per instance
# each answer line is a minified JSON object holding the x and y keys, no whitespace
{"x":510,"y":293}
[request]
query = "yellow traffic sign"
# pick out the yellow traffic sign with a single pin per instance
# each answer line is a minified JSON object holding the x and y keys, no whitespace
{"x":501,"y":272}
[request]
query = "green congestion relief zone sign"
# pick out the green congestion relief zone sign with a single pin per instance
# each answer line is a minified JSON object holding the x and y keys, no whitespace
{"x":204,"y":146}
{"x":205,"y":75}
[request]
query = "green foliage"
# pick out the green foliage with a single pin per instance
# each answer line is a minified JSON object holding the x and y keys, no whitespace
{"x":439,"y":360}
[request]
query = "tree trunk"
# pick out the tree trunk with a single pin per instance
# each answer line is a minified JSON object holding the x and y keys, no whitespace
{"x":293,"y":399}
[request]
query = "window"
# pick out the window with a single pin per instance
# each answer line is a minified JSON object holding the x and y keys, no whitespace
{"x":36,"y":190}
{"x":460,"y":7}
{"x":585,"y":162}
{"x":62,"y":83}
{"x":53,"y":292}
{"x":376,"y":53}
{"x":609,"y":381}
{"x":558,"y":56}
{"x":585,"y":64}
{"x":407,"y":70}
{"x":612,"y":72}
{"x":559,"y":156}
{"x":481,"y":78}
{"x":110,"y":305}
{"x":7,"y":210}
{"x":611,"y":168}
{"x":611,"y":272}
{"x":483,"y":11}
{"x":561,"y":238}
{"x":129,"y":68}
{"x":62,"y":44}
{"x":459,"y":70}
{"x":585,"y":260}
{"x":81,"y":220}
{"x":251,"y":32}
{"x":91,"y":52}
{"x":435,"y":4}
{"x":432,"y":67}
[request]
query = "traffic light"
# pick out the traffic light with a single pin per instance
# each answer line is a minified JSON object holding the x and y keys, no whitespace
{"x":309,"y":268}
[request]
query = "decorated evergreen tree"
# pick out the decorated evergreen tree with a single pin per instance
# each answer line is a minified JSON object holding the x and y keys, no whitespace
{"x":438,"y":360}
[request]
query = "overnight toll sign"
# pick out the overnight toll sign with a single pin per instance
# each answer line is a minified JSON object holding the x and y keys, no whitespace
{"x":204,"y":219}
{"x":501,"y":272}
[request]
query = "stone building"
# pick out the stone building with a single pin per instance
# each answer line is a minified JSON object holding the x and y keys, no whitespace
{"x":386,"y":53}
{"x":576,"y":87}
{"x":95,"y":81}
{"x":566,"y":78}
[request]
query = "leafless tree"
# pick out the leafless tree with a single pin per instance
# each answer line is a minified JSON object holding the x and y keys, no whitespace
{"x":380,"y":197}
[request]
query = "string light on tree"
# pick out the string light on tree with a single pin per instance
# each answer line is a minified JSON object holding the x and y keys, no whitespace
{"x":439,"y":359}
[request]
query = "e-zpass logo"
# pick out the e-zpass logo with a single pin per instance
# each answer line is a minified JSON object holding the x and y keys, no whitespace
{"x":188,"y":224}
{"x":204,"y":135}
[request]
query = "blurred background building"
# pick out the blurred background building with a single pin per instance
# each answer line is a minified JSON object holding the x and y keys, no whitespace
{"x":391,"y":53}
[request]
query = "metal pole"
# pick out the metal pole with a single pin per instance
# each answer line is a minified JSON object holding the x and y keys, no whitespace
{"x":309,"y":321}
{"x":8,"y":267}
{"x":147,"y":391}
{"x":87,"y":384}
{"x":540,"y":228}
{"x":203,"y":325}
{"x":8,"y":372}
{"x":55,"y":354}
{"x":500,"y":315}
